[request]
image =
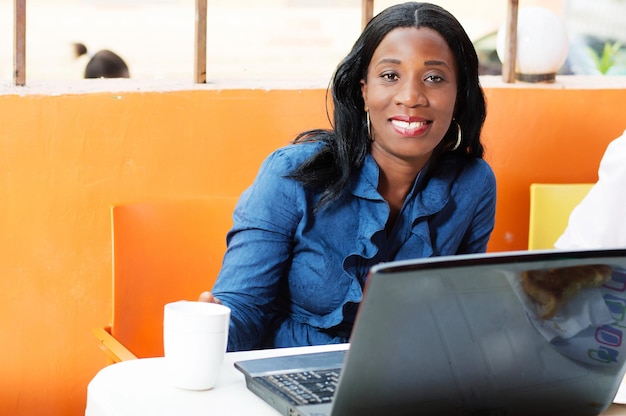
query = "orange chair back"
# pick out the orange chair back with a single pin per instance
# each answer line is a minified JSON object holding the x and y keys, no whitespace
{"x":162,"y":252}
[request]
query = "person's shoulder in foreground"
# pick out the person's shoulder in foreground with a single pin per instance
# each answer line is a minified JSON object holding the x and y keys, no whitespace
{"x":399,"y":175}
{"x":599,"y":220}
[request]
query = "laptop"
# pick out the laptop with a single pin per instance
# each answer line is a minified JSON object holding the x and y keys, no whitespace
{"x":460,"y":335}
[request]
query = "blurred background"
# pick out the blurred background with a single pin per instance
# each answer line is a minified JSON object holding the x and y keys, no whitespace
{"x":265,"y":39}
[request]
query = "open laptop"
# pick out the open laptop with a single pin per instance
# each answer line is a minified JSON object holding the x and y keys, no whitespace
{"x":459,"y":335}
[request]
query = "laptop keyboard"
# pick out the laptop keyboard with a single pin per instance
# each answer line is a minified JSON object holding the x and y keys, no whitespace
{"x":305,"y":387}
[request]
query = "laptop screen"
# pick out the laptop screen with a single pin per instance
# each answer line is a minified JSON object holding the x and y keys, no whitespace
{"x":509,"y":333}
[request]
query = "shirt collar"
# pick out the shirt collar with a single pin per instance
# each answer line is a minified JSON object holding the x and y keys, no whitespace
{"x":364,"y":183}
{"x":432,"y":190}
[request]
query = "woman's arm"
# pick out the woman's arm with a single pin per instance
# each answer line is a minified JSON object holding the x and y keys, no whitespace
{"x":481,"y":226}
{"x":259,"y":250}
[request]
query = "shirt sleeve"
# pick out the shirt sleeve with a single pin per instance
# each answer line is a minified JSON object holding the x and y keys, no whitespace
{"x":482,"y":224}
{"x":259,"y":250}
{"x":599,"y":220}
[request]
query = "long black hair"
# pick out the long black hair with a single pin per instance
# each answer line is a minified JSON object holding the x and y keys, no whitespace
{"x":348,"y":142}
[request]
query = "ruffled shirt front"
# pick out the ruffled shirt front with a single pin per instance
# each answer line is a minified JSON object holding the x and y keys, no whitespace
{"x":292,"y":278}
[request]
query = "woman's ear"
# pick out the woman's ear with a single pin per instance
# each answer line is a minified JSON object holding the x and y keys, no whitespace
{"x":364,"y":93}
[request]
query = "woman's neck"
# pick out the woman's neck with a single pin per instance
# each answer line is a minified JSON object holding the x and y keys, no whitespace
{"x":394,"y":184}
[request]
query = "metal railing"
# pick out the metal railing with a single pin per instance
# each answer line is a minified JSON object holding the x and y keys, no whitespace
{"x":19,"y":45}
{"x":200,"y":42}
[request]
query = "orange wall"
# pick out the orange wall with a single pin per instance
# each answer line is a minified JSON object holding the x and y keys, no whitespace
{"x":67,"y":157}
{"x":545,"y":134}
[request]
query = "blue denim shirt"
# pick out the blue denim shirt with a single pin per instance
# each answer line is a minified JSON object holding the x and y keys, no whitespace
{"x":292,"y":278}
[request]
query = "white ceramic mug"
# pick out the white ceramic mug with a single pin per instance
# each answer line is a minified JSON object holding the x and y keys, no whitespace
{"x":195,"y":335}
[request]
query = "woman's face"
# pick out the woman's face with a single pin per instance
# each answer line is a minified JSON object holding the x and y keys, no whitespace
{"x":410,"y":93}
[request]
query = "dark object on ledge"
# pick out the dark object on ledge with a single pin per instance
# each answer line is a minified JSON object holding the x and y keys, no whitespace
{"x":103,"y":64}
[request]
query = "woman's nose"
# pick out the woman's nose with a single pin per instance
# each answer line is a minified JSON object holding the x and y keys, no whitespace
{"x":411,"y":94}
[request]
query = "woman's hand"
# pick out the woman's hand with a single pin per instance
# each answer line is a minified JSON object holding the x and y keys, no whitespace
{"x":208,"y":297}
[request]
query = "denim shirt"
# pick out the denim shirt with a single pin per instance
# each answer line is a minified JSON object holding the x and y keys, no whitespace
{"x":292,"y":278}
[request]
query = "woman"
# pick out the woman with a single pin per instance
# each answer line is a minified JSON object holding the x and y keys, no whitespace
{"x":399,"y":176}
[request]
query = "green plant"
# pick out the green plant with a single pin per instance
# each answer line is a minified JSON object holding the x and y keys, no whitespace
{"x":607,"y":59}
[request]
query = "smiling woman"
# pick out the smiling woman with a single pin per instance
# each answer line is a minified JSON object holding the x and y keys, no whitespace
{"x":409,"y":93}
{"x":400,"y":175}
{"x":57,"y":234}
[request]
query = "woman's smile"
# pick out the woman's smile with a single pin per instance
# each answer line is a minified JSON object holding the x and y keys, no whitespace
{"x":410,"y":126}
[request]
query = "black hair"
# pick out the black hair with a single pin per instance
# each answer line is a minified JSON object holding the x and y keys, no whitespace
{"x":348,"y":142}
{"x":104,"y":64}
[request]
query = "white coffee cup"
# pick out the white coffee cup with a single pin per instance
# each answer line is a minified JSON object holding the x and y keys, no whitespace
{"x":195,"y":335}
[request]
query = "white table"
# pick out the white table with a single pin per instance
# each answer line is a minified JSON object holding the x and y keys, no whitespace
{"x":140,"y":387}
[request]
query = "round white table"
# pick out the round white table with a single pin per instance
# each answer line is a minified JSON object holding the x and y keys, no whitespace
{"x":141,"y":387}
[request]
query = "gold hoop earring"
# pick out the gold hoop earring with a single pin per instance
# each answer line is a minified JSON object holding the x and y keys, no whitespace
{"x":458,"y":136}
{"x":369,"y":126}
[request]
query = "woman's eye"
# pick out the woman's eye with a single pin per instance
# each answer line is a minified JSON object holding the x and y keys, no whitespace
{"x":389,"y":76}
{"x":434,"y":78}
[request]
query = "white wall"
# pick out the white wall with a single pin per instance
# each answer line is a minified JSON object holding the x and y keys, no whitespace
{"x":247,"y":39}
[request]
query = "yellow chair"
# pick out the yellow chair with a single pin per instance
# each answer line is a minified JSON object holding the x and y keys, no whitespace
{"x":163,"y":251}
{"x":550,"y":208}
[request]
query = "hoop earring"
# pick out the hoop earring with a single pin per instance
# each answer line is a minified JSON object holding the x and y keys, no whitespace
{"x":369,"y":126}
{"x":458,"y":136}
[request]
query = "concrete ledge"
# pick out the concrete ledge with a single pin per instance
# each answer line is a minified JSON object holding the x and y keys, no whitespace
{"x":563,"y":82}
{"x":119,"y":85}
{"x":88,"y":86}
